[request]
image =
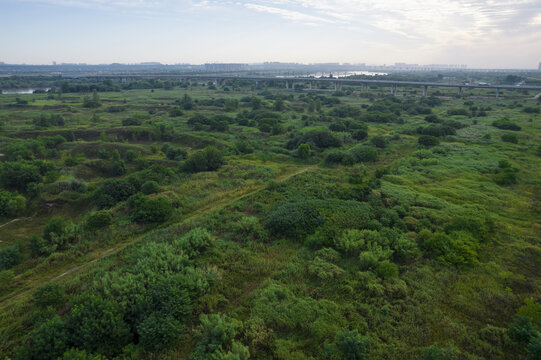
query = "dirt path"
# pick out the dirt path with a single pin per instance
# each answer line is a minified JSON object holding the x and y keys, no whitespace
{"x":102,"y":253}
{"x":9,"y":222}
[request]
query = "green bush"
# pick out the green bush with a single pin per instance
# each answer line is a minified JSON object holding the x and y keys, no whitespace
{"x":437,"y":352}
{"x":303,"y":151}
{"x":11,"y":205}
{"x":98,"y":220}
{"x":97,"y":325}
{"x":353,"y":346}
{"x":338,"y":157}
{"x":387,"y":270}
{"x":18,"y":175}
{"x":150,"y":187}
{"x":216,"y":334}
{"x":10,"y":256}
{"x":293,"y":219}
{"x":505,"y":124}
{"x":49,"y":295}
{"x":510,"y":138}
{"x":379,"y":141}
{"x":159,"y":331}
{"x":428,"y":141}
{"x":50,"y":340}
{"x":145,"y":210}
{"x":208,"y":159}
{"x":363,"y":153}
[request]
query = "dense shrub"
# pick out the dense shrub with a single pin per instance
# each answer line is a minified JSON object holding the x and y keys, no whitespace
{"x":353,"y":346}
{"x":438,"y":352}
{"x":145,"y":210}
{"x":506,"y":124}
{"x":379,"y":141}
{"x":97,"y":325}
{"x":216,"y":334}
{"x":510,"y":138}
{"x":339,"y":157}
{"x":437,"y":130}
{"x":49,"y":295}
{"x":10,"y":256}
{"x":293,"y":219}
{"x":18,"y":175}
{"x":98,"y":220}
{"x":303,"y":151}
{"x":363,"y":153}
{"x":11,"y":205}
{"x":150,"y":187}
{"x":208,"y":159}
{"x":317,"y":139}
{"x":428,"y":140}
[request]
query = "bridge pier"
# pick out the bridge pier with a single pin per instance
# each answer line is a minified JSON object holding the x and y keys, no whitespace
{"x":459,"y":91}
{"x":287,"y":84}
{"x":335,"y":86}
{"x":310,"y":85}
{"x":425,"y":90}
{"x":292,"y":85}
{"x":497,"y":92}
{"x":393,"y":89}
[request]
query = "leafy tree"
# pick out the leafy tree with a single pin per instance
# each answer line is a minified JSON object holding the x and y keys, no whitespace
{"x":379,"y":141}
{"x":118,"y":168}
{"x":186,"y":102}
{"x":363,"y":153}
{"x":303,"y":151}
{"x":353,"y":346}
{"x":208,"y":159}
{"x":428,"y":140}
{"x":216,"y":334}
{"x":96,"y":325}
{"x":387,"y":269}
{"x":150,"y":187}
{"x":11,"y":205}
{"x":10,"y":256}
{"x":49,"y":295}
{"x":76,"y":354}
{"x":98,"y":220}
{"x":145,"y":210}
{"x":294,"y":219}
{"x":18,"y":175}
{"x":50,"y":340}
{"x":159,"y":331}
{"x":510,"y":138}
{"x":437,"y":352}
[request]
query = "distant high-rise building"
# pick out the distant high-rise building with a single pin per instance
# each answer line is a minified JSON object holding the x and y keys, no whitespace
{"x":539,"y":67}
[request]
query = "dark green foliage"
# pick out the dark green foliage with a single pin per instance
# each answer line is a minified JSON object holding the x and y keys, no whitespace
{"x":208,"y":159}
{"x":432,"y":119}
{"x":18,"y":175}
{"x":54,"y":227}
{"x":317,"y":139}
{"x":45,"y":120}
{"x":379,"y":141}
{"x":428,"y":141}
{"x":175,"y":153}
{"x":339,"y":157}
{"x":522,"y":329}
{"x":159,"y":331}
{"x":145,"y":210}
{"x":353,"y":346}
{"x":150,"y":187}
{"x":10,"y":256}
{"x":98,"y":220}
{"x":506,"y":124}
{"x":244,"y":147}
{"x":531,"y":110}
{"x":293,"y":219}
{"x":186,"y":102}
{"x":76,"y":354}
{"x":303,"y":151}
{"x":50,"y":340}
{"x":387,"y":270}
{"x":437,"y":130}
{"x":359,"y":134}
{"x":437,"y":352}
{"x":96,"y":325}
{"x":93,"y":102}
{"x":113,"y":191}
{"x":216,"y":334}
{"x":510,"y":138}
{"x":118,"y":168}
{"x":49,"y":295}
{"x":11,"y":205}
{"x":363,"y":153}
{"x":534,"y":347}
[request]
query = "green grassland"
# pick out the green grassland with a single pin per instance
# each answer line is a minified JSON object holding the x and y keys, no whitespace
{"x":194,"y":221}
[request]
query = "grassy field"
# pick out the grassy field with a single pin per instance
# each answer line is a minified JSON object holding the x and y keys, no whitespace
{"x":234,"y":222}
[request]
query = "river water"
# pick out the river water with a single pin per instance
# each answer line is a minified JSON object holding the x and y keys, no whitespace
{"x":21,"y":91}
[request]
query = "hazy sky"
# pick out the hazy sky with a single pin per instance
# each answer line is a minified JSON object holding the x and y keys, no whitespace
{"x":479,"y":33}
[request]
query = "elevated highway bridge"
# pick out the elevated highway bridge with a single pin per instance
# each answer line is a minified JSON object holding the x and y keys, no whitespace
{"x":289,"y":82}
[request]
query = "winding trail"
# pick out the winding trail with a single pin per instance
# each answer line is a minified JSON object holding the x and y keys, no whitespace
{"x":99,"y":254}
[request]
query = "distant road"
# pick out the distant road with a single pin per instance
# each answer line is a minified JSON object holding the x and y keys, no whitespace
{"x":336,"y":81}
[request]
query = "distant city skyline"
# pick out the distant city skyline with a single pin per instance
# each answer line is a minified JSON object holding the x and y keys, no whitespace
{"x":478,"y":33}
